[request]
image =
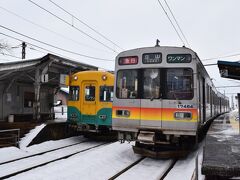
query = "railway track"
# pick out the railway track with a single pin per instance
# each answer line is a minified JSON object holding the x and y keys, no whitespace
{"x":40,"y":153}
{"x":161,"y":169}
{"x":25,"y":164}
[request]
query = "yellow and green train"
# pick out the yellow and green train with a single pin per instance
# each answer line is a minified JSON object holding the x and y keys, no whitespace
{"x":90,"y":100}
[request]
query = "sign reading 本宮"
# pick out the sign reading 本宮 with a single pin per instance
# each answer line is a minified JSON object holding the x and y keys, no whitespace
{"x":152,"y":58}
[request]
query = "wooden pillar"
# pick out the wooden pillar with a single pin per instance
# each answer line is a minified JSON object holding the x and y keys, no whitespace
{"x":37,"y":86}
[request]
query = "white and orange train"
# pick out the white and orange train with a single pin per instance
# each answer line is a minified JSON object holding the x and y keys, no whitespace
{"x":162,"y":95}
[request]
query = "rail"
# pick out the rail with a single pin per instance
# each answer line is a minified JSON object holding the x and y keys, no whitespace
{"x":9,"y":137}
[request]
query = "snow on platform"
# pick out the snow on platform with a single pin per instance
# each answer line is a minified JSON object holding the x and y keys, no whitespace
{"x":27,"y":139}
{"x":101,"y":164}
{"x":221,"y":156}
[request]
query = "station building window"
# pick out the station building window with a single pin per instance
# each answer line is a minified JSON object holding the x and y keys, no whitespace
{"x":28,"y":99}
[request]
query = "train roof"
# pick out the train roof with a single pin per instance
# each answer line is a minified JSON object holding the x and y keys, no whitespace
{"x":92,"y":72}
{"x":160,"y":47}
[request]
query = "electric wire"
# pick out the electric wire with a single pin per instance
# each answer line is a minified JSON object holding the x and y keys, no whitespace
{"x":4,"y":54}
{"x":232,"y":55}
{"x":47,"y":51}
{"x":53,"y":46}
{"x":177,"y":24}
{"x":171,"y":22}
{"x":72,"y":26}
{"x":47,"y":29}
{"x":84,"y":23}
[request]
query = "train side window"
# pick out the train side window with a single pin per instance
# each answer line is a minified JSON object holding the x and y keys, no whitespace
{"x":127,"y":84}
{"x":106,"y":93}
{"x":90,"y":93}
{"x":179,"y":83}
{"x":74,"y":93}
{"x":151,"y":84}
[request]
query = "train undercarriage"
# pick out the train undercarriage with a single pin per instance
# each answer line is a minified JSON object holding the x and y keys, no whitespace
{"x":155,"y":144}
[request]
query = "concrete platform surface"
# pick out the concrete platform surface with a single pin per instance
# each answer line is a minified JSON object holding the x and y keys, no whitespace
{"x":221,"y":153}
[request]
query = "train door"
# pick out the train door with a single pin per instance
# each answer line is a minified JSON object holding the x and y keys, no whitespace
{"x":89,"y":102}
{"x":199,"y":98}
{"x":211,"y":101}
{"x":203,"y":100}
{"x":151,"y":112}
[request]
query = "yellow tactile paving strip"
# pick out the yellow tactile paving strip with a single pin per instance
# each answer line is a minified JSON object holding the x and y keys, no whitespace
{"x":233,"y":119}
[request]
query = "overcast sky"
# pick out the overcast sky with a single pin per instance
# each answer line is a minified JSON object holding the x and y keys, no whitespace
{"x":211,"y":28}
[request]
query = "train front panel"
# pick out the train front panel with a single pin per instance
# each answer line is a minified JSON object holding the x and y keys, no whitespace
{"x":155,"y":93}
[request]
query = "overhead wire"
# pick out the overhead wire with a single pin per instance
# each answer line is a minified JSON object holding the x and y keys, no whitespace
{"x":177,"y":23}
{"x":10,"y":55}
{"x":53,"y":46}
{"x":171,"y":22}
{"x":232,"y":55}
{"x":47,"y":29}
{"x":81,"y":31}
{"x":84,"y":23}
{"x":47,"y":50}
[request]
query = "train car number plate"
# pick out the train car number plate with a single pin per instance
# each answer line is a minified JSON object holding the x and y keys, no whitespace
{"x":184,"y":106}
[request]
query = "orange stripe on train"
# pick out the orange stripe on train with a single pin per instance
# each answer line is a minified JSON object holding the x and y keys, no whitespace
{"x":153,"y":113}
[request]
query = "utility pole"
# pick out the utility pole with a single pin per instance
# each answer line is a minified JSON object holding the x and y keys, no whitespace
{"x":24,"y":45}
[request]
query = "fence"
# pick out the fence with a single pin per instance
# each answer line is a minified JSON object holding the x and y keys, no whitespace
{"x":9,"y":137}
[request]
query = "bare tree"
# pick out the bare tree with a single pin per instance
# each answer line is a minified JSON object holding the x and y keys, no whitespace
{"x":4,"y":46}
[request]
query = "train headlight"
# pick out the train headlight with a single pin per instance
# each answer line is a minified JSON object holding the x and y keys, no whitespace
{"x":75,"y":78}
{"x":104,"y":77}
{"x":183,"y":115}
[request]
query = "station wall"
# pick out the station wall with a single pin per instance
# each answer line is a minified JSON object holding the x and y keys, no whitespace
{"x":20,"y":97}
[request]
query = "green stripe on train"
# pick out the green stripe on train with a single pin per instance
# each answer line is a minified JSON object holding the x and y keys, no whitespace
{"x":76,"y":117}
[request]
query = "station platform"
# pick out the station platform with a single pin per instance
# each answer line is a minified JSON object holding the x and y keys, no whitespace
{"x":221,"y":152}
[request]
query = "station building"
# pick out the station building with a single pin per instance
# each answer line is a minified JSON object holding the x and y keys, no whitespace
{"x":28,"y":87}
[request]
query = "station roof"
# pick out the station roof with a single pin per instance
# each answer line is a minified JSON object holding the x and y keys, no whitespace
{"x":24,"y":70}
{"x":229,"y":69}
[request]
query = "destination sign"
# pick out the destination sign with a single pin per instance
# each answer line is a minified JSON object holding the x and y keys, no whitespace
{"x":152,"y":58}
{"x":179,"y":58}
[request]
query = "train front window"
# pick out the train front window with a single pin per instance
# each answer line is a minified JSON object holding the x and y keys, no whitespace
{"x":106,"y":93}
{"x":74,"y":93}
{"x":151,"y":84}
{"x":127,"y":84}
{"x":90,"y":93}
{"x":179,"y":83}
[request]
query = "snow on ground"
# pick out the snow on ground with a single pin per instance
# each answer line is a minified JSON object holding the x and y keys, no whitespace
{"x":101,"y":163}
{"x":11,"y":153}
{"x":48,"y":145}
{"x":27,"y":139}
{"x":23,"y":164}
{"x":184,"y":168}
{"x":147,"y":169}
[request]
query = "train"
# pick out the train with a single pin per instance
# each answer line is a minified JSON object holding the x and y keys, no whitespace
{"x":163,"y":97}
{"x":90,"y":101}
{"x":159,"y":97}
